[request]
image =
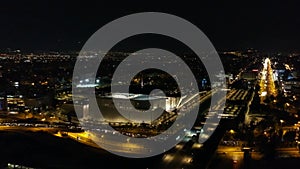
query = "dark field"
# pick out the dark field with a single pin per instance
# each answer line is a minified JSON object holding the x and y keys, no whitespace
{"x":42,"y":150}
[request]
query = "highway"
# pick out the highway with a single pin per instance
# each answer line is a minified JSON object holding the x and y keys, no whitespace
{"x":267,"y":85}
{"x":33,"y":129}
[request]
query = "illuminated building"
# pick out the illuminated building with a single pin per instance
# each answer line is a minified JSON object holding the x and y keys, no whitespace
{"x":155,"y":104}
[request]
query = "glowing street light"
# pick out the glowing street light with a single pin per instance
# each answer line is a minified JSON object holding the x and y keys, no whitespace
{"x":281,"y":121}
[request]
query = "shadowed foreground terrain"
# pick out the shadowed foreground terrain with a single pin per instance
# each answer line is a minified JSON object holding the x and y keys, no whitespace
{"x":42,"y":150}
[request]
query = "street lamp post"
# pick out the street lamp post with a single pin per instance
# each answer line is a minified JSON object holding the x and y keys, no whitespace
{"x":281,"y":121}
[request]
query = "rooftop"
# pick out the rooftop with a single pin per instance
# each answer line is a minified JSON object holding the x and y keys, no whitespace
{"x":132,"y":96}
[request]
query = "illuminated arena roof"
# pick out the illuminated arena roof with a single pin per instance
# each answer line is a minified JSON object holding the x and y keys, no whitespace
{"x":134,"y":96}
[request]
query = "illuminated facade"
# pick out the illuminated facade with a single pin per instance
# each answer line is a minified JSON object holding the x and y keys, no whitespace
{"x":140,"y":102}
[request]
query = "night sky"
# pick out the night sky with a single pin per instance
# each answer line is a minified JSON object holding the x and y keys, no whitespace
{"x":55,"y":25}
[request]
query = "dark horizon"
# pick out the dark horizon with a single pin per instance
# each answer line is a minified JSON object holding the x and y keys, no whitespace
{"x":54,"y":25}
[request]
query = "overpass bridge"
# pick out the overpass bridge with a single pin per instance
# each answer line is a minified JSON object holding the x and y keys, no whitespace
{"x":185,"y":104}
